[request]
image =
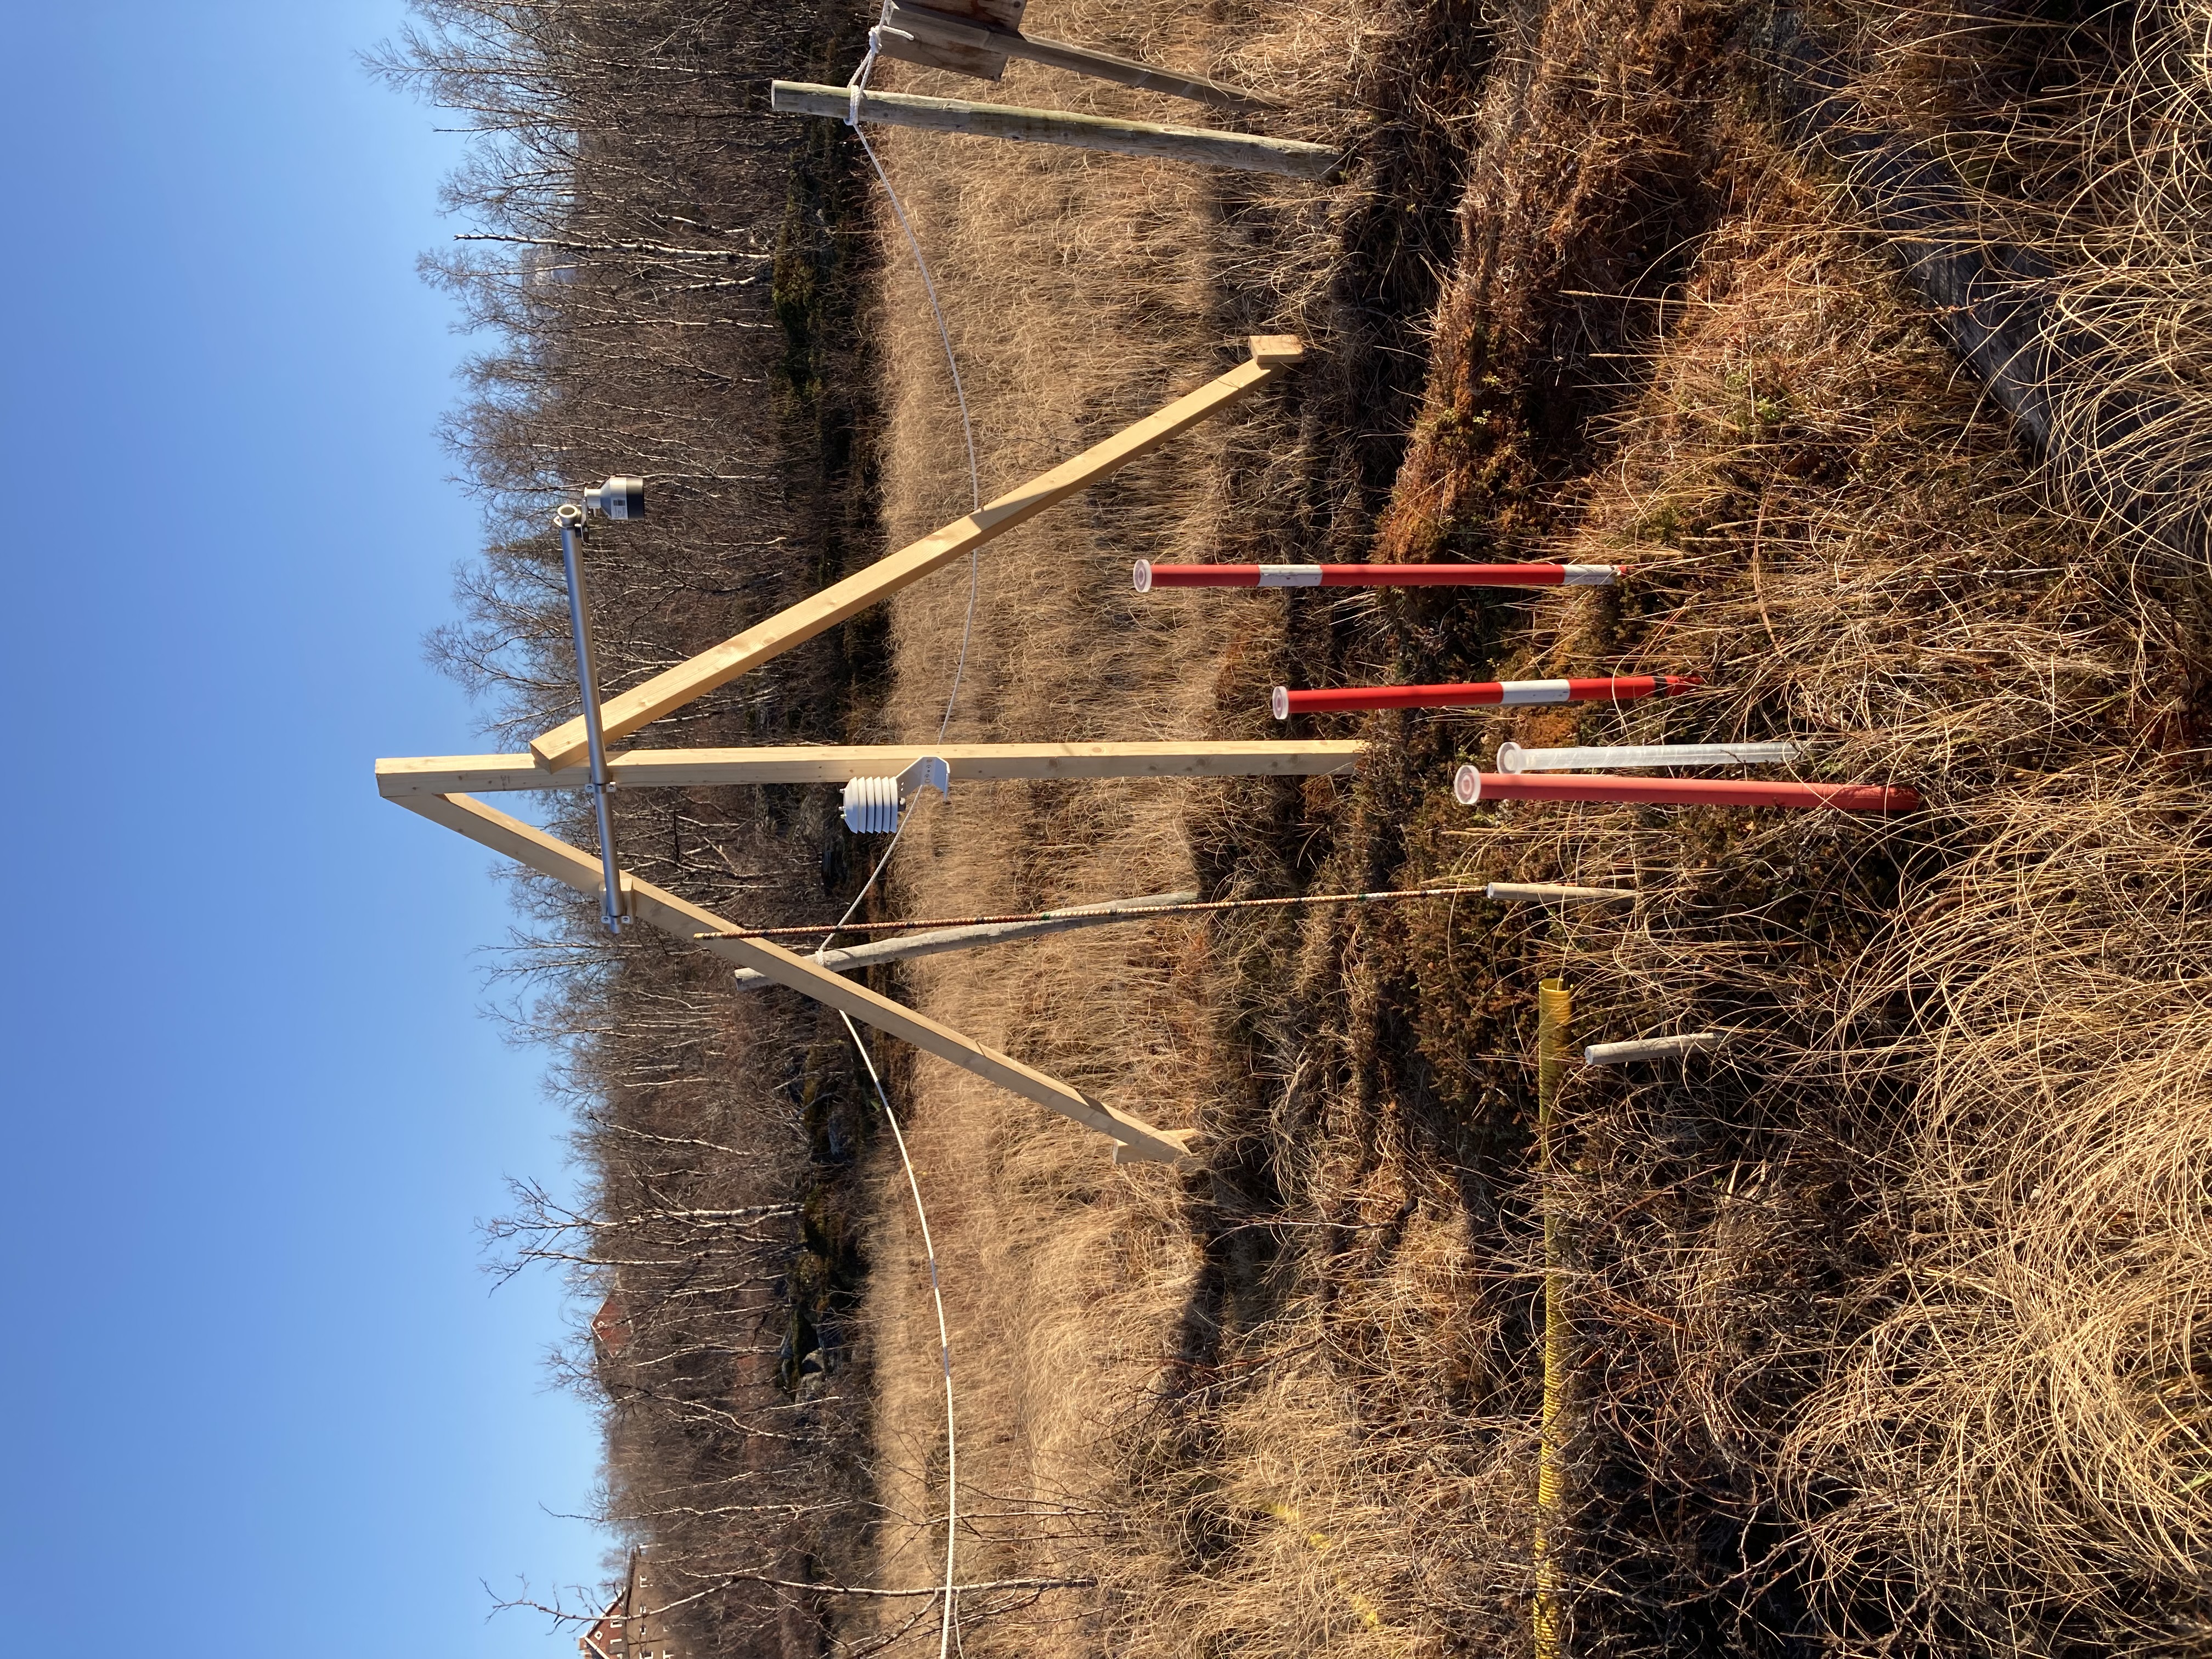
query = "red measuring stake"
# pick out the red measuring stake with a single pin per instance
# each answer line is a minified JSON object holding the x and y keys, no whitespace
{"x":1470,"y":786}
{"x":1621,"y":688}
{"x":1150,"y":576}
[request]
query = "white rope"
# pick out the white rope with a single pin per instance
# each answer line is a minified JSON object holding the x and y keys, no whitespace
{"x":944,"y":1635}
{"x":859,"y":84}
{"x":944,"y":1337}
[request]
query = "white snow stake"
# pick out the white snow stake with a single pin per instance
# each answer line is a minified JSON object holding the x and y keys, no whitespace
{"x":1665,"y":1048}
{"x":1512,"y":757}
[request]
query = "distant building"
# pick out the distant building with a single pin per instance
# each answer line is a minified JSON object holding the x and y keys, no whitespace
{"x":611,"y":1328}
{"x":631,"y":1627}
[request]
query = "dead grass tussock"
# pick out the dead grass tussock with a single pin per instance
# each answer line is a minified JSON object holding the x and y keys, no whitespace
{"x":1910,"y":1282}
{"x":2081,"y":135}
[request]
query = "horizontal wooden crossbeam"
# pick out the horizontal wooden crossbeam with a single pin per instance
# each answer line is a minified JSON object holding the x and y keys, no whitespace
{"x":1135,"y":1140}
{"x":978,"y":762}
{"x":564,"y":746}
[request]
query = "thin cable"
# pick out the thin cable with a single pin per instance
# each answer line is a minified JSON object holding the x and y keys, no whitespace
{"x":921,"y":1214}
{"x":859,"y":84}
{"x":943,"y":1336}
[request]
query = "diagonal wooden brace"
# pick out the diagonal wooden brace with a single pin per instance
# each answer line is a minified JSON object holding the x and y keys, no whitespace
{"x":619,"y":716}
{"x":1135,"y":1140}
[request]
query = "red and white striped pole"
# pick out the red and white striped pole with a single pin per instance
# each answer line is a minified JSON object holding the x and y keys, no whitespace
{"x":1470,"y":786}
{"x":1620,"y":688}
{"x":1149,"y":575}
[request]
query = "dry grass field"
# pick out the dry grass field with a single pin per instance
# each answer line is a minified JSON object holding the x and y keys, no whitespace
{"x":1888,"y":1319}
{"x":1080,"y":294}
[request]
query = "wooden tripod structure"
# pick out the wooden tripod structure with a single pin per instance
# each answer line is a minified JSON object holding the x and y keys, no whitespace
{"x":441,"y":788}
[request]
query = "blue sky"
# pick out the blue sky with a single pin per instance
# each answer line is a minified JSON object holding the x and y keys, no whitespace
{"x":262,"y":1400}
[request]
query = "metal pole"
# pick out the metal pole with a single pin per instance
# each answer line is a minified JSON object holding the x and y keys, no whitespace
{"x":1470,"y":788}
{"x":1512,"y":758}
{"x":1545,"y":892}
{"x":1663,"y":1047}
{"x":1146,"y":575}
{"x":1510,"y":694}
{"x":570,"y":518}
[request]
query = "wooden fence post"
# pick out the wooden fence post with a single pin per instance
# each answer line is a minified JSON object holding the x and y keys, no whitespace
{"x":1245,"y":151}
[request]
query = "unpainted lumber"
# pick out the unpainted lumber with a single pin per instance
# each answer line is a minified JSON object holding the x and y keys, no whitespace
{"x":950,"y":48}
{"x":1006,"y":13}
{"x":1554,"y":1018}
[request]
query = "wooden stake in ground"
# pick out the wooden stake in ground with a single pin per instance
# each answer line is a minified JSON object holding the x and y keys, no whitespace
{"x":1245,"y":152}
{"x":1134,"y":1140}
{"x":564,"y":745}
{"x":1554,"y":1011}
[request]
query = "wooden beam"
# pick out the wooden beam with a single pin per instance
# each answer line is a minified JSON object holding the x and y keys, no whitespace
{"x":1246,"y":152}
{"x":563,"y":746}
{"x":1136,"y":1140}
{"x":972,"y":763}
{"x":940,"y":50}
{"x":1007,"y":14}
{"x":962,"y":42}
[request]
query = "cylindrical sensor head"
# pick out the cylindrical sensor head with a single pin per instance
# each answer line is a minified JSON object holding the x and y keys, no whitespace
{"x":617,"y":498}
